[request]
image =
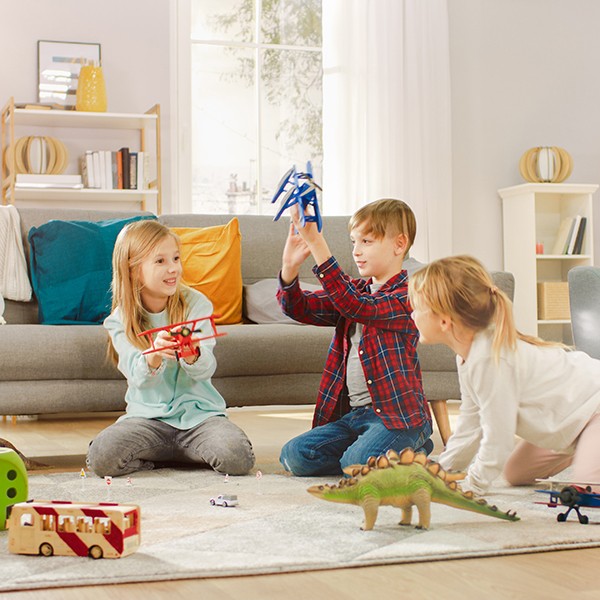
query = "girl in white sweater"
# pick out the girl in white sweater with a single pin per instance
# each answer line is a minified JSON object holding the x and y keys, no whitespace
{"x":511,"y":384}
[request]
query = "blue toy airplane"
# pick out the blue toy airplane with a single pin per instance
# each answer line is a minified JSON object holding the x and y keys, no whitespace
{"x":292,"y":191}
{"x":572,"y":495}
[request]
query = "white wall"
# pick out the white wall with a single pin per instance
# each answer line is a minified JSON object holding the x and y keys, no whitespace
{"x":524,"y":73}
{"x":134,"y":36}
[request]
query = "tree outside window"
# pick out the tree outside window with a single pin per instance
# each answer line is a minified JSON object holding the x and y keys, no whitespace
{"x":256,"y":100}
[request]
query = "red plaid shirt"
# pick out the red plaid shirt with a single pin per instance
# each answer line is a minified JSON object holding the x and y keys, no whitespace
{"x":387,"y":350}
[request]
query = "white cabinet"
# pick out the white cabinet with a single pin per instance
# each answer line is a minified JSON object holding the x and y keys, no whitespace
{"x":81,"y":131}
{"x":532,"y":215}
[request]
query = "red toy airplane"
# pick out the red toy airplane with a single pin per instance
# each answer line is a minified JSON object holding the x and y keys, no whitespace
{"x":182,"y":336}
{"x":573,"y":496}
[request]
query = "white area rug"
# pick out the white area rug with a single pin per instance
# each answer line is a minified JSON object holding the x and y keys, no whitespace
{"x":277,"y":527}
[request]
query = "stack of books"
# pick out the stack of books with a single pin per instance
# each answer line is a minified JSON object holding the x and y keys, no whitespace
{"x":570,"y":235}
{"x":115,"y":170}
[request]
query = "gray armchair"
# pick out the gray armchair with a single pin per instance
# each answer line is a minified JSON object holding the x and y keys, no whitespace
{"x":584,"y":300}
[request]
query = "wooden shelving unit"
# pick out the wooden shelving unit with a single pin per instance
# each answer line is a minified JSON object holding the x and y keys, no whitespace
{"x":12,"y":119}
{"x":532,"y":214}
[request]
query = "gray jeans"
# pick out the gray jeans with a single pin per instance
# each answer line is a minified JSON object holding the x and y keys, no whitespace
{"x":136,"y":444}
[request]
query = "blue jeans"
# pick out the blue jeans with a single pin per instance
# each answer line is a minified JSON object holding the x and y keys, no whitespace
{"x":328,"y":449}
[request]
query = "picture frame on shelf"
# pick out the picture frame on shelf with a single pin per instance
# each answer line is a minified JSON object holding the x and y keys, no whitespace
{"x":59,"y":64}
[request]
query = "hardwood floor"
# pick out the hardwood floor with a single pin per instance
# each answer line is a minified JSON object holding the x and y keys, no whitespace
{"x":62,"y":442}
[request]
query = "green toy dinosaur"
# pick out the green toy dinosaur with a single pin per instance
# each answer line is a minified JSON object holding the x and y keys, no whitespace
{"x":404,"y":480}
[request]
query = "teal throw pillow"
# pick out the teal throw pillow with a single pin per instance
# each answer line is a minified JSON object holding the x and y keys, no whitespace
{"x":71,"y":269}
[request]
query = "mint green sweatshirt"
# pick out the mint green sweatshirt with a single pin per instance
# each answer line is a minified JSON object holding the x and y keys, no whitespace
{"x":176,"y":393}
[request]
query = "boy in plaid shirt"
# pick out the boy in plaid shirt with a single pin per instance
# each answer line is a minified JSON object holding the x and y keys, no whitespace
{"x":371,"y":395}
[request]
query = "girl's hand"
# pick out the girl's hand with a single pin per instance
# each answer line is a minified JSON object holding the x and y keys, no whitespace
{"x":167,"y":349}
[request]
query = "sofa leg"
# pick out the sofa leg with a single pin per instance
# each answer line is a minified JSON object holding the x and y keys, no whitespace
{"x":440,"y":412}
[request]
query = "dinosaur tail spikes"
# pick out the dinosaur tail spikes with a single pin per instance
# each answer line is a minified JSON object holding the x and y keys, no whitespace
{"x":434,"y":468}
{"x":372,"y":462}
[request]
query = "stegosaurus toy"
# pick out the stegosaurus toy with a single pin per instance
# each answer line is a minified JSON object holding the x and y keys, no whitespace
{"x":404,"y":480}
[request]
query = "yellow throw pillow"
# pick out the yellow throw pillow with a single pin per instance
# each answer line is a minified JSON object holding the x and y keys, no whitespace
{"x":212,"y":264}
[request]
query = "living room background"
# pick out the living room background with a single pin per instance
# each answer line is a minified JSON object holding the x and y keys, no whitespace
{"x":523,"y":73}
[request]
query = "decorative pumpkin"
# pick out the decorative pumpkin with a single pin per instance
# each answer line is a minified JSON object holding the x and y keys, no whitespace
{"x":546,"y":164}
{"x":37,"y":154}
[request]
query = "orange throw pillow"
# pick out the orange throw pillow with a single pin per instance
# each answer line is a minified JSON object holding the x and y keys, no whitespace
{"x":212,"y":264}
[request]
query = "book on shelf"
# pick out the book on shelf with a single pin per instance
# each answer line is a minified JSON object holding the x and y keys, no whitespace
{"x":563,"y":235}
{"x":43,"y":181}
{"x":573,"y":236}
{"x":126,"y":167}
{"x":133,"y":165}
{"x":579,"y":238}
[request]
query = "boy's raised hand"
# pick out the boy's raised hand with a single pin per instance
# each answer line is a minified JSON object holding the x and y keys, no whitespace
{"x":315,"y":240}
{"x":295,"y":252}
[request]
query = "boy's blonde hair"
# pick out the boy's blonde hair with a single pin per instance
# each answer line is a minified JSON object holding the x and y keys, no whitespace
{"x":134,"y":244}
{"x":461,"y":288}
{"x":386,"y":217}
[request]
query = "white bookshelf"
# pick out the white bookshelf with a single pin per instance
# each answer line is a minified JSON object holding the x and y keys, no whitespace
{"x":115,"y":125}
{"x":532,"y":213}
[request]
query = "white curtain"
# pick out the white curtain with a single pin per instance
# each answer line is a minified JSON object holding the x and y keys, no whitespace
{"x":386,"y":112}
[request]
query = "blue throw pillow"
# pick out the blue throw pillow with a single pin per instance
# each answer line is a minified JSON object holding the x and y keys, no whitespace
{"x":71,"y":269}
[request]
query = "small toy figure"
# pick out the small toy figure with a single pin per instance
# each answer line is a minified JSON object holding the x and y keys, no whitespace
{"x":13,"y":482}
{"x":184,"y":343}
{"x":105,"y":530}
{"x":304,"y":194}
{"x":404,"y":480}
{"x":225,"y":500}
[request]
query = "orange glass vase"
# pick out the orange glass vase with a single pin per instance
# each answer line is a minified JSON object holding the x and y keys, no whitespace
{"x":91,"y":91}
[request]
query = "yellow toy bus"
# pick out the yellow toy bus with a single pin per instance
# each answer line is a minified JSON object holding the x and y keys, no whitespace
{"x":103,"y":530}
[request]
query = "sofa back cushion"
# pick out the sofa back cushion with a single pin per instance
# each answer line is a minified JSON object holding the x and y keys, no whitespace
{"x":263,"y":241}
{"x":212,"y":264}
{"x":71,"y":269}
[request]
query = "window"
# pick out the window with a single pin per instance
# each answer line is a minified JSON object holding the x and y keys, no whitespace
{"x":256,"y":100}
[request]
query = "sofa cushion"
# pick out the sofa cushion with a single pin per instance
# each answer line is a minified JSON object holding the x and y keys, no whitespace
{"x":71,"y":269}
{"x":261,"y":301}
{"x":212,"y":264}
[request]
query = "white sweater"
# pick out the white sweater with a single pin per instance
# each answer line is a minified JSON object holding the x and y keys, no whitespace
{"x":544,"y":395}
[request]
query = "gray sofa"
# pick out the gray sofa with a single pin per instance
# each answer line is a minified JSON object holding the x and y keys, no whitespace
{"x":62,"y":369}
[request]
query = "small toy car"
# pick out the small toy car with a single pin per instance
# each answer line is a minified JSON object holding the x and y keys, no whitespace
{"x":225,"y":500}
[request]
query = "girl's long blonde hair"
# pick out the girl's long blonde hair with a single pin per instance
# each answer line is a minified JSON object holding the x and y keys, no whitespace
{"x":134,"y":244}
{"x":461,"y":287}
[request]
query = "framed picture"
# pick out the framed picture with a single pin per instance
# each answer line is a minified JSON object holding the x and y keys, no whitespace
{"x":58,"y":69}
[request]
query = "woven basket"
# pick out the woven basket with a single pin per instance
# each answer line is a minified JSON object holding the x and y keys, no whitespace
{"x":553,"y":300}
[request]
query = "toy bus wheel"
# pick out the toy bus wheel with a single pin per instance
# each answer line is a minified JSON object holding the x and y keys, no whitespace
{"x":46,"y":549}
{"x":95,"y":552}
{"x":561,"y":517}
